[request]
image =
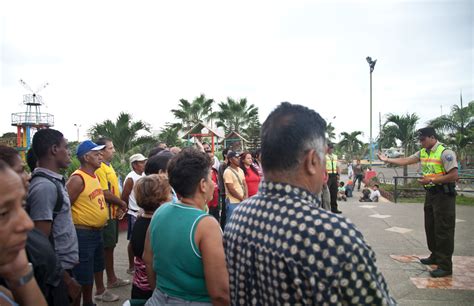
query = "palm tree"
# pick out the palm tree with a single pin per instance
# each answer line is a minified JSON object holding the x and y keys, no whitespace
{"x":350,"y":143}
{"x":169,"y":135}
{"x":236,"y":115}
{"x":123,"y":132}
{"x":459,"y":128}
{"x":190,"y":114}
{"x":330,"y":133}
{"x":402,"y":128}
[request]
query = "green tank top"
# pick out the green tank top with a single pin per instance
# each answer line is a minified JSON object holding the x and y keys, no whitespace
{"x":177,"y":260}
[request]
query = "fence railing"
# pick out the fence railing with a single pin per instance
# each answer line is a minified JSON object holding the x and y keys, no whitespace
{"x":464,"y":184}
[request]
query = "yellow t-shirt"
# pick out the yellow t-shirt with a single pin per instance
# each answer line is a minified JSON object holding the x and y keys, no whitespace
{"x":230,"y":177}
{"x":90,"y":208}
{"x":109,"y":181}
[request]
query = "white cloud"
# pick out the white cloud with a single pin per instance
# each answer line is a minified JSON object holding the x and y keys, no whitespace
{"x":103,"y":57}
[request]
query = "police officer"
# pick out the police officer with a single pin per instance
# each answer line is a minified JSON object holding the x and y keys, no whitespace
{"x":439,"y":166}
{"x":332,"y":170}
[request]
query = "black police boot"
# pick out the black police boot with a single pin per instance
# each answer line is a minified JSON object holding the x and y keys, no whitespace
{"x":428,"y":261}
{"x":440,"y":273}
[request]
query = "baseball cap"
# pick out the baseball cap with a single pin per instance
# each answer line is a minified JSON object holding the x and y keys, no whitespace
{"x":426,"y":132}
{"x":231,"y":154}
{"x":137,"y":157}
{"x":87,"y":146}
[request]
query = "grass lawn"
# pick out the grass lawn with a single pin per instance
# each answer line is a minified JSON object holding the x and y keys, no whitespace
{"x":460,"y":200}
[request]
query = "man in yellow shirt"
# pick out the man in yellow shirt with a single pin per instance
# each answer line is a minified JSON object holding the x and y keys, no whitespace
{"x":89,"y":215}
{"x":117,"y":208}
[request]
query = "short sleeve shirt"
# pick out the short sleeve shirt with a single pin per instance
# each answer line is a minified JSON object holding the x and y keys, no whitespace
{"x":448,"y":157}
{"x":109,"y":181}
{"x":283,"y":249}
{"x":40,"y":203}
{"x":235,"y":177}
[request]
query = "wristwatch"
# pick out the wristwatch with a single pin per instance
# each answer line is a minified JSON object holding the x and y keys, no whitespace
{"x":23,"y":280}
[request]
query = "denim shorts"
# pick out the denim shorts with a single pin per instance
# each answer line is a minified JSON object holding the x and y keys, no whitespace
{"x":159,"y":298}
{"x":230,"y":209}
{"x":91,"y":255}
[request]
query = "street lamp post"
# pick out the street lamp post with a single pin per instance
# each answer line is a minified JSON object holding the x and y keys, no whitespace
{"x":372,"y":66}
{"x":77,"y":126}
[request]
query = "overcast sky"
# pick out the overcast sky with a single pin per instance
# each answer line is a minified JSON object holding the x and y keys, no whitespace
{"x":141,"y":57}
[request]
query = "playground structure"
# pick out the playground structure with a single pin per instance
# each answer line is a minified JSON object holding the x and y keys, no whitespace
{"x":31,"y":119}
{"x":200,"y":131}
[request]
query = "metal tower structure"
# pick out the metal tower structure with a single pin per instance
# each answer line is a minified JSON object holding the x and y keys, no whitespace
{"x":33,"y":118}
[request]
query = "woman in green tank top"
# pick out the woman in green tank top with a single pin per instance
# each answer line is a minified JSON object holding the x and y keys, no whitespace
{"x":184,"y":252}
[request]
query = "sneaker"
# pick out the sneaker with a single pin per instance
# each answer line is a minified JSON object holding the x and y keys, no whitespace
{"x":336,"y":211}
{"x":428,"y":261}
{"x":131,"y":271}
{"x":118,"y":283}
{"x":106,"y":296}
{"x":440,"y":273}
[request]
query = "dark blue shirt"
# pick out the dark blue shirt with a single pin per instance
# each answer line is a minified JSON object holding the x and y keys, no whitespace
{"x":283,"y":249}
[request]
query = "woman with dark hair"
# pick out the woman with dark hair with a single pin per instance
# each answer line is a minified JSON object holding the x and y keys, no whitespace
{"x":183,"y":245}
{"x":252,"y":177}
{"x":150,"y":192}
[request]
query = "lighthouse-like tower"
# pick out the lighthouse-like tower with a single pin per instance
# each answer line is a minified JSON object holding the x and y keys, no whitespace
{"x":33,"y":118}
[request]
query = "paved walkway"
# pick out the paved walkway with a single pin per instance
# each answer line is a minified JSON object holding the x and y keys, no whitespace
{"x":396,"y":233}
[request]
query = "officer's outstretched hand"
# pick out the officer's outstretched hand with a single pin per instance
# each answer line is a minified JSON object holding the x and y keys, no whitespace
{"x":382,"y":157}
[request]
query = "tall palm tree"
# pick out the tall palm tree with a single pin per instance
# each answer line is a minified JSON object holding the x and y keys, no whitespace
{"x":236,"y":115}
{"x":459,"y":128}
{"x":330,"y":132}
{"x":123,"y":132}
{"x":170,"y":135}
{"x":402,"y":128}
{"x":192,"y":113}
{"x":350,"y":143}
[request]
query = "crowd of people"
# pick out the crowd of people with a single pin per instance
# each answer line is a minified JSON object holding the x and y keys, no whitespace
{"x":248,"y":230}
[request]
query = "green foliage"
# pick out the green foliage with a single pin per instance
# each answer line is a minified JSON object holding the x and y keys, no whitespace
{"x":124,"y":133}
{"x":456,"y":129}
{"x":190,"y":114}
{"x":236,"y":115}
{"x":350,"y":145}
{"x":170,"y":135}
{"x":252,"y":133}
{"x":330,"y":132}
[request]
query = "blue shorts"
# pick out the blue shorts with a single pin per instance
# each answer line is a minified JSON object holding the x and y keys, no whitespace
{"x":130,"y":223}
{"x":91,"y":255}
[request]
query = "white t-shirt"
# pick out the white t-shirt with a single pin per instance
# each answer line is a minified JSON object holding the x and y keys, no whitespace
{"x":375,"y":195}
{"x":132,"y":202}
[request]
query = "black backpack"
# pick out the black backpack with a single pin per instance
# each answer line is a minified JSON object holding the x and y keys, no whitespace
{"x":59,"y":184}
{"x":41,"y":254}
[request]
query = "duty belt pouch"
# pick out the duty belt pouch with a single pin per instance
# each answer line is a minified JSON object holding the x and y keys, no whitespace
{"x":449,"y":189}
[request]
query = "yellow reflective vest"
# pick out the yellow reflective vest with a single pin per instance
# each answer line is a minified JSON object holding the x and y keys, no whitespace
{"x":331,"y":163}
{"x":431,"y":164}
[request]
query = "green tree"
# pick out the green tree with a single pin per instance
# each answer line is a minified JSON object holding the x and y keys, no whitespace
{"x":458,"y":129}
{"x":124,"y":133}
{"x":402,"y":128}
{"x":192,"y":113}
{"x":330,"y":132}
{"x":253,"y":134}
{"x":350,"y":144}
{"x":170,"y":135}
{"x":236,"y":115}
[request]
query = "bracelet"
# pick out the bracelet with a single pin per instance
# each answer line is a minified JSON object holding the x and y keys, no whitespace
{"x":23,"y":280}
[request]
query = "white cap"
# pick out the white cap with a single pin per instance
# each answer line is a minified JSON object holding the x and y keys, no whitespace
{"x":137,"y":157}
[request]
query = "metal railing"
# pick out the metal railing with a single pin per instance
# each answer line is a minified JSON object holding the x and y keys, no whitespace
{"x":464,"y":184}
